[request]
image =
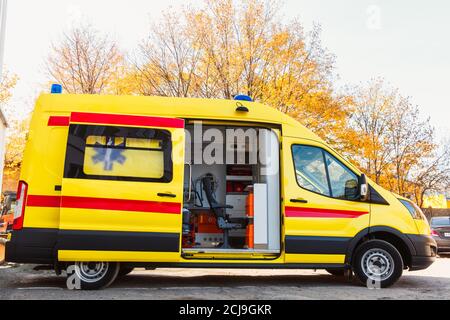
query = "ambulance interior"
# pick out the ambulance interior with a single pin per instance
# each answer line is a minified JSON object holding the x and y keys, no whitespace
{"x":230,"y":172}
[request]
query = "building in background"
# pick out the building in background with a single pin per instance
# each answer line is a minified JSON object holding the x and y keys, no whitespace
{"x":436,"y":201}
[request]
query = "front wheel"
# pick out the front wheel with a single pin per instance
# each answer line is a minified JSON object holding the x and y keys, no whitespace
{"x":377,"y":263}
{"x":91,"y":275}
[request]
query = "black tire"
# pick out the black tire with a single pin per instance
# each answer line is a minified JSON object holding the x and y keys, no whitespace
{"x":377,"y":263}
{"x":336,"y":272}
{"x":91,"y":275}
{"x":124,"y":271}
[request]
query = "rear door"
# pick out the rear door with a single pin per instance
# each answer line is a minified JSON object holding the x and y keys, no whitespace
{"x":321,"y":203}
{"x":122,"y":189}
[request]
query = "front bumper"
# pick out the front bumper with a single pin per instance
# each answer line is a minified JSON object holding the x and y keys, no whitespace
{"x":420,"y":263}
{"x":425,"y":251}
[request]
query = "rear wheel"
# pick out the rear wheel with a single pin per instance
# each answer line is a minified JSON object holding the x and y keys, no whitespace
{"x":377,"y":263}
{"x":91,"y":275}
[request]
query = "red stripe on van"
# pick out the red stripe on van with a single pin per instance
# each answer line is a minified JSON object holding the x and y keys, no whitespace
{"x":43,"y":201}
{"x":118,"y":119}
{"x":119,"y":204}
{"x":58,"y":121}
{"x":296,"y":212}
{"x":103,"y":204}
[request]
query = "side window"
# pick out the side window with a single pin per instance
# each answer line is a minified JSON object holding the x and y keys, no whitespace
{"x":118,"y":153}
{"x":318,"y":171}
{"x":343,"y":182}
{"x":310,"y":169}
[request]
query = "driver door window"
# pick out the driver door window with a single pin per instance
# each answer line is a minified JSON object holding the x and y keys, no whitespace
{"x":343,"y":182}
{"x":318,"y":171}
{"x":310,"y":169}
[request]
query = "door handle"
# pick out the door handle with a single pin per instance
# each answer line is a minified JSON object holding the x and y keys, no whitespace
{"x":167,"y":195}
{"x":299,"y":200}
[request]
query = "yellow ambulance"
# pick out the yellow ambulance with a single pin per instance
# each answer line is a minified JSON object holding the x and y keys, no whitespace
{"x":111,"y":183}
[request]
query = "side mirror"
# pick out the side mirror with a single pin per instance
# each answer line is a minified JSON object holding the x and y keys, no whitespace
{"x":351,"y":190}
{"x":363,"y":188}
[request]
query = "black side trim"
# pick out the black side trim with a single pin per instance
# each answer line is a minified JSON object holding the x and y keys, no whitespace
{"x":317,"y":245}
{"x":32,"y":245}
{"x":118,"y":241}
{"x":35,"y":245}
{"x":237,"y":265}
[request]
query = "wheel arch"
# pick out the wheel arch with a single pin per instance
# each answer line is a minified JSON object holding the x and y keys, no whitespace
{"x":395,"y":237}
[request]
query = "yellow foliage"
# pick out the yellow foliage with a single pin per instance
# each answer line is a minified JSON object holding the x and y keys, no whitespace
{"x":15,"y":143}
{"x":225,"y":48}
{"x":6,"y":84}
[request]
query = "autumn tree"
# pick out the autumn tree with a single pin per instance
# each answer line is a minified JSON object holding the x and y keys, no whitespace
{"x":372,"y":115}
{"x":15,"y":145}
{"x":7,"y":83}
{"x":84,"y":61}
{"x":433,"y":176}
{"x":395,"y":145}
{"x":412,"y":141}
{"x":224,"y":48}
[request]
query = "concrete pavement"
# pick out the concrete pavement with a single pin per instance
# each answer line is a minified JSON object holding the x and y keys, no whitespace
{"x":22,"y":282}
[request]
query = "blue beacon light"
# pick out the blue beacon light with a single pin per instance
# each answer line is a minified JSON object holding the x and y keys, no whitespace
{"x":56,"y":89}
{"x":243,"y":97}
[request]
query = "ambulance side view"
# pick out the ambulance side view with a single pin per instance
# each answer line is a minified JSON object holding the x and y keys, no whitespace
{"x":111,"y":183}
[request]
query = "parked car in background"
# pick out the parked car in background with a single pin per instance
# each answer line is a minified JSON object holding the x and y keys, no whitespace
{"x":440,"y":230}
{"x":7,"y":213}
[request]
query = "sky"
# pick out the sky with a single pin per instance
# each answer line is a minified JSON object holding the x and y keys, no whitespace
{"x":405,"y":42}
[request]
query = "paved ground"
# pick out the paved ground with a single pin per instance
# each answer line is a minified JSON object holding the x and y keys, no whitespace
{"x":22,"y":282}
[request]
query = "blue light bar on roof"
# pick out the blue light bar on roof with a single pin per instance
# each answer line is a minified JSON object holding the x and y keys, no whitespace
{"x":56,"y":88}
{"x":243,"y":97}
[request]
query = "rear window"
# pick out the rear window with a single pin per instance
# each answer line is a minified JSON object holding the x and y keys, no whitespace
{"x":440,"y":221}
{"x":118,"y":153}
